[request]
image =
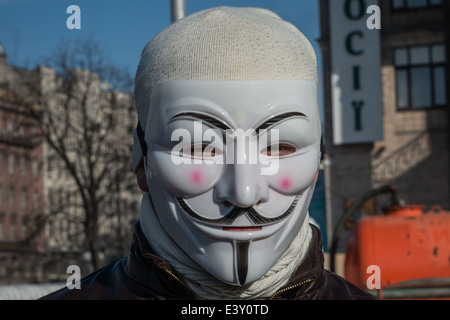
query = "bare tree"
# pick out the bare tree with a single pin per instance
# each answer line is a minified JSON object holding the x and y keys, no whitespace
{"x":86,"y":117}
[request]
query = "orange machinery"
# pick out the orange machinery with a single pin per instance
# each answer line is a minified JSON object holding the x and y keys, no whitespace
{"x":409,"y":247}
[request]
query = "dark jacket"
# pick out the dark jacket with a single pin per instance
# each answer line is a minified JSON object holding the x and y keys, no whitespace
{"x":144,"y":275}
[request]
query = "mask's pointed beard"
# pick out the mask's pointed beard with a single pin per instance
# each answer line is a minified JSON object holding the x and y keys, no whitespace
{"x":241,"y":252}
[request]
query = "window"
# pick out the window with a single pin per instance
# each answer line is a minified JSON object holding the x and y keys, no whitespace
{"x":35,"y":200}
{"x":12,"y":229}
{"x":22,"y":164}
{"x":2,"y":218}
{"x":11,"y":163}
{"x":24,"y":226}
{"x":23,"y":198}
{"x":420,"y":77}
{"x":413,"y":4}
{"x":23,"y":231}
{"x":34,"y":168}
{"x":9,"y":125}
{"x":11,"y":197}
{"x":21,"y":131}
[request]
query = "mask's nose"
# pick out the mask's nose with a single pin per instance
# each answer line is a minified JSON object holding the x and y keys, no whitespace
{"x":242,"y":185}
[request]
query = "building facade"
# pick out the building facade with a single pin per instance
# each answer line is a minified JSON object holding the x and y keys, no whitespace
{"x":21,"y":186}
{"x":402,"y":139}
{"x":42,"y":218}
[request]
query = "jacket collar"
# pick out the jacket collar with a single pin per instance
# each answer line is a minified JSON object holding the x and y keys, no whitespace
{"x":156,"y":275}
{"x":151,"y":271}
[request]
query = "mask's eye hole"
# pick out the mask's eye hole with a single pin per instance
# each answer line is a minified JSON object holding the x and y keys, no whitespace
{"x":202,"y":151}
{"x":279,"y":150}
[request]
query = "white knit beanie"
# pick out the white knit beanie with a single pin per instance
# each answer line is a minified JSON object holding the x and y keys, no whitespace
{"x":223,"y":43}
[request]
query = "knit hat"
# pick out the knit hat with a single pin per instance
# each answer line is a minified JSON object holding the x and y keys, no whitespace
{"x":223,"y":43}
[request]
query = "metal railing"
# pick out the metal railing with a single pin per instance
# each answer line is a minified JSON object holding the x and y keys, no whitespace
{"x":403,"y":159}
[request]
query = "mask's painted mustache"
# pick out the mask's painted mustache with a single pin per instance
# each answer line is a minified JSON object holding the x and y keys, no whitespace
{"x":255,"y":217}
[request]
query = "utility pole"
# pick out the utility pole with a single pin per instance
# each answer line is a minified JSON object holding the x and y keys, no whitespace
{"x":178,"y":9}
{"x":446,"y":5}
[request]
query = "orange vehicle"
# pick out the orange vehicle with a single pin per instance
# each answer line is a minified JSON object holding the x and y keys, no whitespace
{"x":408,"y":248}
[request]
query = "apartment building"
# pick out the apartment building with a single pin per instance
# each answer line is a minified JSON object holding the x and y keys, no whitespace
{"x":21,"y":186}
{"x":386,"y":99}
{"x":39,"y":198}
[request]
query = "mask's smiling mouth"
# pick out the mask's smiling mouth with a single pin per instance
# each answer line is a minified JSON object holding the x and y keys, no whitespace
{"x":258,"y":221}
{"x":241,"y":229}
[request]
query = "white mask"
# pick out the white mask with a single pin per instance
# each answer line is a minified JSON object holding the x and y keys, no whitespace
{"x":233,"y":207}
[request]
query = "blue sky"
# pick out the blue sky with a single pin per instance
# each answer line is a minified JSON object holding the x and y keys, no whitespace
{"x":31,"y":29}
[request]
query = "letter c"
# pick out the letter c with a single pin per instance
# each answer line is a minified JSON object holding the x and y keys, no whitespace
{"x":349,"y":45}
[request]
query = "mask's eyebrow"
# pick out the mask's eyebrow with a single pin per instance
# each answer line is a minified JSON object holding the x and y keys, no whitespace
{"x":274,"y":120}
{"x":203,"y":117}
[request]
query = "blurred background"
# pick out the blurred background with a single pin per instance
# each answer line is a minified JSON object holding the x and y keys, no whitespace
{"x":67,"y":192}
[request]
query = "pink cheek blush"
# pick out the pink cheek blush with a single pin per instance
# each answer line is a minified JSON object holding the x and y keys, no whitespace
{"x":196,"y":177}
{"x":286,"y":183}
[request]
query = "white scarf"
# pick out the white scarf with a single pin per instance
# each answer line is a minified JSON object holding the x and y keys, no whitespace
{"x":203,"y":284}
